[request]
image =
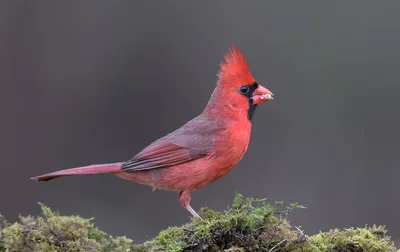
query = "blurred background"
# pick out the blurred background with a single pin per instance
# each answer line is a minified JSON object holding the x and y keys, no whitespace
{"x":86,"y":82}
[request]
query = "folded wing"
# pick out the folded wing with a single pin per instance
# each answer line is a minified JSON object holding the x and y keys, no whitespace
{"x":192,"y":141}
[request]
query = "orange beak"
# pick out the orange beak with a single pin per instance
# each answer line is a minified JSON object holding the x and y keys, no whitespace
{"x":261,"y":94}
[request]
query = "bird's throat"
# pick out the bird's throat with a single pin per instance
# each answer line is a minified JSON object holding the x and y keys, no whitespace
{"x":251,"y":110}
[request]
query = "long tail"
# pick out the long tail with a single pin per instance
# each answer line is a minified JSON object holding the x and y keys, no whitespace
{"x":90,"y":169}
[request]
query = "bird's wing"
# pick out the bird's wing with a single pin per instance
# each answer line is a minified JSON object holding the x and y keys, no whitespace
{"x":160,"y":154}
{"x":192,"y":141}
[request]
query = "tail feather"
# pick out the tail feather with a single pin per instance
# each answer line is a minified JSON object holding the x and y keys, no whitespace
{"x":90,"y":169}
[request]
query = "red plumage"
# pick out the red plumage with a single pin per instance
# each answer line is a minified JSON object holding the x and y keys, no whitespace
{"x":202,"y":150}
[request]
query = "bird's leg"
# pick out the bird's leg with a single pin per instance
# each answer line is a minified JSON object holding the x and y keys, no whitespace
{"x":185,"y":198}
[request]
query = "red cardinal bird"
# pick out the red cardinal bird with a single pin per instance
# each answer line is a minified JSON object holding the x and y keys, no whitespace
{"x":202,"y":150}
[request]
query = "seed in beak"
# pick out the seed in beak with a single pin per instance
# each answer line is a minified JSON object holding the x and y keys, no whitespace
{"x":266,"y":97}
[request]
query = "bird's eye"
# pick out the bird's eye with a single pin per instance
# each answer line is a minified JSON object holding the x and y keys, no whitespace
{"x":244,"y":89}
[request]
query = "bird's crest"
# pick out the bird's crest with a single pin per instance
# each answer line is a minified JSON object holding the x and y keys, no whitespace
{"x":234,"y":71}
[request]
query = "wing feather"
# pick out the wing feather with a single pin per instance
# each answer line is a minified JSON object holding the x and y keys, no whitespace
{"x":162,"y":153}
{"x":192,"y":141}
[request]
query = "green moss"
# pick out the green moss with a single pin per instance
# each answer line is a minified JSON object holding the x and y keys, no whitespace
{"x":248,"y":225}
{"x":353,"y":239}
{"x":170,"y":239}
{"x":52,"y":232}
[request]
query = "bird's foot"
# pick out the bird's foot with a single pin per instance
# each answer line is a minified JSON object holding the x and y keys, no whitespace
{"x":193,"y":212}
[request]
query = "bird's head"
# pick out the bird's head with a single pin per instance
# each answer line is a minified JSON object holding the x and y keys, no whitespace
{"x":236,"y":87}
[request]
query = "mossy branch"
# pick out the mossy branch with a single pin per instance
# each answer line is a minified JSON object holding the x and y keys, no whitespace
{"x":248,"y":225}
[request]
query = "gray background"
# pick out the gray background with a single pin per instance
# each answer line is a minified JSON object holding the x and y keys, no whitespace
{"x":87,"y":82}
